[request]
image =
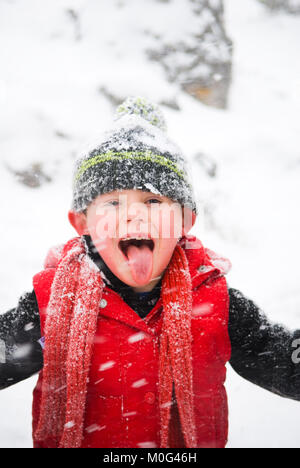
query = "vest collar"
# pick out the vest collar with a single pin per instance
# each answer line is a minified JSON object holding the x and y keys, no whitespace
{"x":203,"y":264}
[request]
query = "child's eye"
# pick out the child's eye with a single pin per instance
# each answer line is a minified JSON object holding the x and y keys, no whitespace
{"x":154,"y":199}
{"x":113,"y":203}
{"x":151,"y":200}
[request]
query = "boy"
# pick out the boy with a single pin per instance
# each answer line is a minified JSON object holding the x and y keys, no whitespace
{"x":134,"y":315}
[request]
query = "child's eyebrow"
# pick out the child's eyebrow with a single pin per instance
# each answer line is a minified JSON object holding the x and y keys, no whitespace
{"x":153,"y":195}
{"x":110,"y":197}
{"x":146,"y":195}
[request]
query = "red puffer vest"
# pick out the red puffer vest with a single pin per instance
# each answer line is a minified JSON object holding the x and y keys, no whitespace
{"x":122,"y":397}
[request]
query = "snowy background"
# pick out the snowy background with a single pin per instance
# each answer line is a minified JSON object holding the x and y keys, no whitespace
{"x":53,"y":68}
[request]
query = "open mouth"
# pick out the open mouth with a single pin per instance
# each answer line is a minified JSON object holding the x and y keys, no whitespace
{"x":124,"y":244}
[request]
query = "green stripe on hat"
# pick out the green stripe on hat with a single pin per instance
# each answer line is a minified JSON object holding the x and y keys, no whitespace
{"x":136,"y":155}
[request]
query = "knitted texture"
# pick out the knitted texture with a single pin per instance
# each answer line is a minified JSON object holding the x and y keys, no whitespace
{"x":145,"y":109}
{"x":175,"y":363}
{"x":136,"y":154}
{"x":69,"y":333}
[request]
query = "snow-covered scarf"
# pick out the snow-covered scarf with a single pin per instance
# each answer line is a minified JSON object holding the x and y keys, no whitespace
{"x":70,"y":328}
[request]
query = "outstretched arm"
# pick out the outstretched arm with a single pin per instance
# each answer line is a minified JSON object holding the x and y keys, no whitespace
{"x":20,"y":351}
{"x":264,"y":353}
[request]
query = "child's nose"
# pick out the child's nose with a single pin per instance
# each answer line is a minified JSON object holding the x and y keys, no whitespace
{"x":136,"y":213}
{"x":135,"y":217}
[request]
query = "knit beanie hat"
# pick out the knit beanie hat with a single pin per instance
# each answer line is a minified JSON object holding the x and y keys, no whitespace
{"x":135,"y":153}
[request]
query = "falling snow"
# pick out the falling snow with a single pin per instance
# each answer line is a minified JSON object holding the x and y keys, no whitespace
{"x":253,"y":138}
{"x":107,"y":365}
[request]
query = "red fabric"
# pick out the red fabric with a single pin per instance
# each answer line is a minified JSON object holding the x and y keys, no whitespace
{"x":127,"y":382}
{"x":69,"y":330}
{"x":175,"y":363}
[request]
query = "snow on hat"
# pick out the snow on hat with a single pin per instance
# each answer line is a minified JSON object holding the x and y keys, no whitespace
{"x":136,"y":153}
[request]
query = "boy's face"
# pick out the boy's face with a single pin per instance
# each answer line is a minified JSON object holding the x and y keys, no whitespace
{"x":129,"y":214}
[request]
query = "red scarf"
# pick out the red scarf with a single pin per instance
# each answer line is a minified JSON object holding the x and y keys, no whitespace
{"x":69,"y":333}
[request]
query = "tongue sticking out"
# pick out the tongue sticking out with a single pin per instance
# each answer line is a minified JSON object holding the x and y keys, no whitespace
{"x":140,"y":263}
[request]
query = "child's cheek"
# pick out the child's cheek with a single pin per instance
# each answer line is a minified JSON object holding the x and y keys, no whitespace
{"x":170,"y":222}
{"x":103,"y":225}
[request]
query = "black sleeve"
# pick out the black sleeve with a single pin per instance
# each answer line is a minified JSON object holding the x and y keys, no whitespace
{"x":266,"y":354}
{"x":21,"y":353}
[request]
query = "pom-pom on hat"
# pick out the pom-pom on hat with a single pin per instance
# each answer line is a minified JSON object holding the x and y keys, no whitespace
{"x":135,"y":153}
